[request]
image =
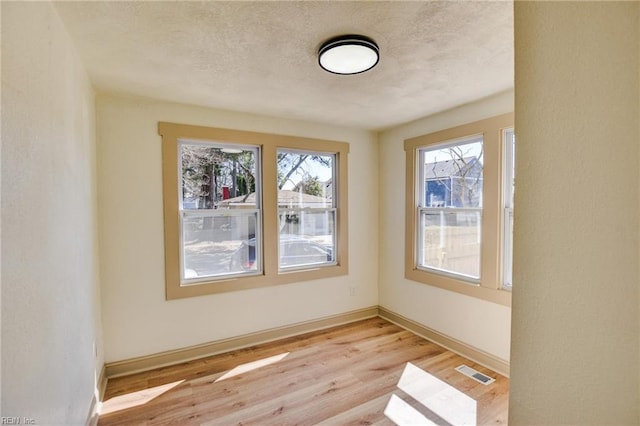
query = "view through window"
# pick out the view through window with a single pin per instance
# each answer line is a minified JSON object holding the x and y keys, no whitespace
{"x":509,"y":189}
{"x":450,"y":212}
{"x":220,"y":210}
{"x":306,"y":209}
{"x":459,"y":208}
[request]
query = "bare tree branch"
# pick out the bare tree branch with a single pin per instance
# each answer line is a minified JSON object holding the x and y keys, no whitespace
{"x":286,"y":177}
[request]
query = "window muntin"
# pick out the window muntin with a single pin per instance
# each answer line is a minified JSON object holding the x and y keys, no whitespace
{"x":509,"y":151}
{"x":220,"y":216}
{"x":306,"y":209}
{"x":450,"y":209}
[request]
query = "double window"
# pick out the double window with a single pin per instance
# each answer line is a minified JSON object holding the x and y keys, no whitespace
{"x":245,"y":210}
{"x":459,"y":212}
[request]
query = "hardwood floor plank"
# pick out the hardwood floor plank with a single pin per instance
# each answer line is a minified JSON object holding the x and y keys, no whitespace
{"x":366,"y":413}
{"x":340,"y":376}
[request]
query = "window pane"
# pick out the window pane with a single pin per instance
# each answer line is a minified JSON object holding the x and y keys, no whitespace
{"x":219,"y":204}
{"x":218,"y":176}
{"x":305,"y":180}
{"x":509,"y":189}
{"x":453,"y":175}
{"x":217,"y":245}
{"x":450,"y":241}
{"x":307,"y":220}
{"x":306,"y":238}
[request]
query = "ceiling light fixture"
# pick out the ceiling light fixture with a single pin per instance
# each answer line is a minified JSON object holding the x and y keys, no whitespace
{"x":348,"y":54}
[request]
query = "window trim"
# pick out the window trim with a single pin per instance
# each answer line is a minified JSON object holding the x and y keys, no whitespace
{"x":489,"y":287}
{"x":171,"y":133}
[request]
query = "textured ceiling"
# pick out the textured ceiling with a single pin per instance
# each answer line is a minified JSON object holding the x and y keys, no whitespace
{"x":260,"y":57}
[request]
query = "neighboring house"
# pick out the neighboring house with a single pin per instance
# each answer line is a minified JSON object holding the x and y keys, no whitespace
{"x":326,"y":188}
{"x":454,"y":183}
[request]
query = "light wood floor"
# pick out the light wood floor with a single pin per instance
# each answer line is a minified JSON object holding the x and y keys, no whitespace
{"x":345,"y":375}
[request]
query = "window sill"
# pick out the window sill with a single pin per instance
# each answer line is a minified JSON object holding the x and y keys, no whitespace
{"x":257,"y":281}
{"x":494,"y":295}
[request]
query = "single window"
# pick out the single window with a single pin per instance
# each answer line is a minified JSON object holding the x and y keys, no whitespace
{"x":509,"y":151}
{"x":450,"y":211}
{"x":455,"y":216}
{"x":245,"y":209}
{"x":306,"y":209}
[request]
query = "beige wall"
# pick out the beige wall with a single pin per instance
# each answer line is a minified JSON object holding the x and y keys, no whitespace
{"x":50,"y":293}
{"x":478,"y":323}
{"x":0,"y":232}
{"x":575,"y":327}
{"x":137,"y":318}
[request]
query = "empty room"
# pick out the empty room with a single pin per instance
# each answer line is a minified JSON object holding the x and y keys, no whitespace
{"x":320,"y":212}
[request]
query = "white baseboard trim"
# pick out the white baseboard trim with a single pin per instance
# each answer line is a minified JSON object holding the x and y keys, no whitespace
{"x":101,"y":385}
{"x":150,"y":362}
{"x":163,"y":359}
{"x":92,"y":418}
{"x":483,"y":358}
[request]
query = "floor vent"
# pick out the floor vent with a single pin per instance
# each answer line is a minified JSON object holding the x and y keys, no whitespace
{"x":475,"y":375}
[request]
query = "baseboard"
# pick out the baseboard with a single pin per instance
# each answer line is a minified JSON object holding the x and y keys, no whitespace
{"x":150,"y":362}
{"x":492,"y":362}
{"x":102,"y":383}
{"x":101,"y":386}
{"x":92,"y":417}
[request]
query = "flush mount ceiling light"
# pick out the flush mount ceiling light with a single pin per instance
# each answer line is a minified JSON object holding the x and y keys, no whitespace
{"x":348,"y":54}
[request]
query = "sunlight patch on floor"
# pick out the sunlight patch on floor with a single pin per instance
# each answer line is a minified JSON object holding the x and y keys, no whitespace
{"x":249,"y":366}
{"x":438,"y":397}
{"x":401,"y":413}
{"x":135,"y":399}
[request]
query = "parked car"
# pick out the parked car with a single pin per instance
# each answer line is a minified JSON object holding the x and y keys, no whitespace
{"x":294,"y":251}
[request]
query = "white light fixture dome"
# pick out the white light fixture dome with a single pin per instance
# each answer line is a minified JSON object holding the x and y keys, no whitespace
{"x":348,"y":54}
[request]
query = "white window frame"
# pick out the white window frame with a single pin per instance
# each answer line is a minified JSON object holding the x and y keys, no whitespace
{"x":301,"y":210}
{"x":186,"y":213}
{"x":422,"y":208}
